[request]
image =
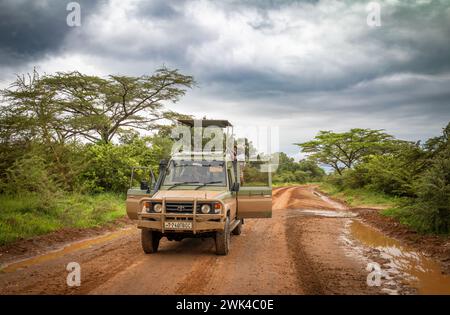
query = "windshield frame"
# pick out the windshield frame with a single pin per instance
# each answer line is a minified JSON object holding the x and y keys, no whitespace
{"x":194,"y":184}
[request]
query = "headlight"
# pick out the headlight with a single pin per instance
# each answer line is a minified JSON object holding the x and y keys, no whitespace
{"x":157,"y":207}
{"x":205,"y":209}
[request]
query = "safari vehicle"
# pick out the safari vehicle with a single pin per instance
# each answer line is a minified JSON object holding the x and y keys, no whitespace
{"x":198,"y":194}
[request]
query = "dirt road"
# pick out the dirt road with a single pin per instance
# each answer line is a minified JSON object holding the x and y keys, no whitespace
{"x":304,"y":249}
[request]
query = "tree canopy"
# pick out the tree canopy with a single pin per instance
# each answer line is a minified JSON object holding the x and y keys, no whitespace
{"x":60,"y":128}
{"x":344,"y":150}
{"x":72,"y":104}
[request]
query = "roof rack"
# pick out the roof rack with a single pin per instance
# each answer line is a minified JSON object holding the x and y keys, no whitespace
{"x":204,"y":123}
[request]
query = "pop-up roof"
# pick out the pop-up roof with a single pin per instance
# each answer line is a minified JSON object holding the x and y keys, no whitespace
{"x":206,"y":122}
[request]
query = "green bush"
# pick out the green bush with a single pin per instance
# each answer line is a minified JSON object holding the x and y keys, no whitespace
{"x":107,"y":167}
{"x":392,"y":173}
{"x":430,"y":211}
{"x":350,"y":179}
{"x":30,"y":174}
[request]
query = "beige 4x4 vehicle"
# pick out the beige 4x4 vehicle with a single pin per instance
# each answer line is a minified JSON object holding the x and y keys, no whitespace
{"x":197,"y":196}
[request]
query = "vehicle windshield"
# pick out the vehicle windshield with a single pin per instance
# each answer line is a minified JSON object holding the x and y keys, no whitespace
{"x":195,"y":173}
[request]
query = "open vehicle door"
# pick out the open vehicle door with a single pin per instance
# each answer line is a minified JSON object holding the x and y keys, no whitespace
{"x":254,"y":197}
{"x":141,"y":186}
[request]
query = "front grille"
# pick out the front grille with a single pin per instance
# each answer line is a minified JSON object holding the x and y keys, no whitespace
{"x":180,"y":207}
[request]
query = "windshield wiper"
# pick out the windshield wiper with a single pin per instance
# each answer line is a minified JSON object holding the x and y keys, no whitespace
{"x":204,"y":184}
{"x":181,"y":183}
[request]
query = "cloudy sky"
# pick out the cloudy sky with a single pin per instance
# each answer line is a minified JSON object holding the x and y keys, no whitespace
{"x":303,"y":65}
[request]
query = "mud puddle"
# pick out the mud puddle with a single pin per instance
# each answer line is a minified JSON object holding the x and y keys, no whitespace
{"x":11,"y":267}
{"x":419,"y":271}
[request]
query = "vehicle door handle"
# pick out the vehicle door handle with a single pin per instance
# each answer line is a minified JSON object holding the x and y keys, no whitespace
{"x":267,"y":196}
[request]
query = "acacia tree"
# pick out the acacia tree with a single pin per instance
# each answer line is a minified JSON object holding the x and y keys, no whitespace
{"x":30,"y":112}
{"x":344,"y":150}
{"x":44,"y":112}
{"x":30,"y":116}
{"x":98,"y":108}
{"x":69,"y":104}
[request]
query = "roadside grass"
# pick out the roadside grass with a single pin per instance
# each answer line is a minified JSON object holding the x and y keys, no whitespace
{"x":362,"y":197}
{"x":401,"y":215}
{"x":412,"y":220}
{"x":27,"y":215}
{"x":389,"y":206}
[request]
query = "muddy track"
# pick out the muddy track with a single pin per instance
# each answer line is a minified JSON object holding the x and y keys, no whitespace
{"x":292,"y":253}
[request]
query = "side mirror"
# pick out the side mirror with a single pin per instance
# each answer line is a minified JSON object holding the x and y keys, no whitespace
{"x":144,"y":185}
{"x":162,"y":163}
{"x":235,"y":187}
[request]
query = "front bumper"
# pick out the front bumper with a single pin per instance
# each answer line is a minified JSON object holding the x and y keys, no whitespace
{"x":200,"y":222}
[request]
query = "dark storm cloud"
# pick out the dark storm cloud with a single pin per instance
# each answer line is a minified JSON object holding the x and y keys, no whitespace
{"x":154,"y":32}
{"x":31,"y":29}
{"x":392,"y":96}
{"x":285,"y":58}
{"x":160,"y":9}
{"x":422,"y":30}
{"x":266,"y":4}
{"x":309,"y":64}
{"x":420,"y":33}
{"x":412,"y":39}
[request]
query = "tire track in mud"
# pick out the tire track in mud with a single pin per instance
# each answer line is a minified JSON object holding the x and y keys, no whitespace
{"x":258,"y":263}
{"x":198,"y":278}
{"x":278,"y":191}
{"x":281,"y":197}
{"x":306,"y":274}
{"x":323,"y":267}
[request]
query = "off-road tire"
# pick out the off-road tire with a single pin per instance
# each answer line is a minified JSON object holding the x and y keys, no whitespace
{"x":150,"y":241}
{"x":238,"y":229}
{"x":223,"y":239}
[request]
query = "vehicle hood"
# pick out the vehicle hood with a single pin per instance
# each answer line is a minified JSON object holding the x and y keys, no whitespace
{"x":190,"y":194}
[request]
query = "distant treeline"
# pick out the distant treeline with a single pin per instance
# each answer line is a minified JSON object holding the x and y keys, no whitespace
{"x":301,"y":172}
{"x":375,"y":160}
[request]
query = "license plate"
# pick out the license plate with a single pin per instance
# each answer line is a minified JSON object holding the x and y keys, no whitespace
{"x":178,"y":225}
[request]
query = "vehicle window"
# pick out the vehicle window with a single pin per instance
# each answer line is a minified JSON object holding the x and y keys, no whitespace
{"x":196,"y":172}
{"x":252,"y":174}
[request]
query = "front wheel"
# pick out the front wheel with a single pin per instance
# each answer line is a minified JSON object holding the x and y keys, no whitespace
{"x":150,"y":241}
{"x":223,"y":239}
